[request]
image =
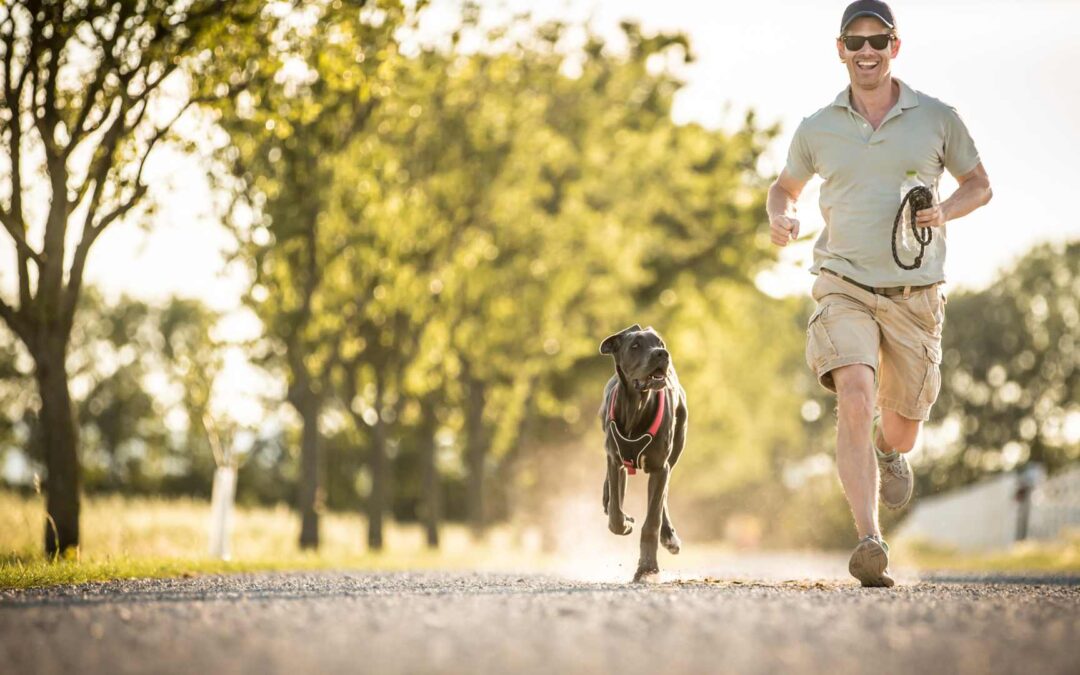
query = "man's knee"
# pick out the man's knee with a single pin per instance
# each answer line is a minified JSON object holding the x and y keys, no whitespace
{"x":855,"y":390}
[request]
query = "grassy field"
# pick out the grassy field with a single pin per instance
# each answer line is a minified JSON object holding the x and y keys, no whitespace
{"x":147,"y":537}
{"x":150,"y":537}
{"x":1062,"y":557}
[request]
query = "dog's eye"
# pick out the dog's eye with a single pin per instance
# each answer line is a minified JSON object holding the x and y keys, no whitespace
{"x":633,"y":345}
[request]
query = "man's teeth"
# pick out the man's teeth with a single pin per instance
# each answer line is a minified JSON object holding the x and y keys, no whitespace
{"x":866,"y":64}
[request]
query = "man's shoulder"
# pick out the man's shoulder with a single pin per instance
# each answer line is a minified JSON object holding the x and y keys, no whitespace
{"x":931,"y":104}
{"x":821,"y":118}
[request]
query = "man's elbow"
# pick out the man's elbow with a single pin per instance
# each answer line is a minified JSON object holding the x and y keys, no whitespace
{"x":987,"y":192}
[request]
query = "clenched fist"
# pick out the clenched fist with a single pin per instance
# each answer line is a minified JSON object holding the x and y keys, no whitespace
{"x":934,"y":216}
{"x":783,"y":229}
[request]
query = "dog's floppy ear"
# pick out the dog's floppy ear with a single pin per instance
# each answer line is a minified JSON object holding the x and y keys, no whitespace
{"x":611,"y":342}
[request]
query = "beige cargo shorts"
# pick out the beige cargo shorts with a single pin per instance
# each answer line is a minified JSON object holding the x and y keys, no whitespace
{"x":900,"y":338}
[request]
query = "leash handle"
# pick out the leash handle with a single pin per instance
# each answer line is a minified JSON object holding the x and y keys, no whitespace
{"x":917,"y":199}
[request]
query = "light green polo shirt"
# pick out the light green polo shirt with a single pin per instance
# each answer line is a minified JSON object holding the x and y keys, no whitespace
{"x":863,"y":170}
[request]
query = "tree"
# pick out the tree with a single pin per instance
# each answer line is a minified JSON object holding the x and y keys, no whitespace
{"x":85,"y":102}
{"x":313,"y":89}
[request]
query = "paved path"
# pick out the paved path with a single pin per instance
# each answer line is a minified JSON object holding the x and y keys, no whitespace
{"x":488,"y":623}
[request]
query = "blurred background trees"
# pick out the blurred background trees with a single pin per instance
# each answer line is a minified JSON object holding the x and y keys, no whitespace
{"x":89,"y":90}
{"x":1011,"y":389}
{"x":437,"y":237}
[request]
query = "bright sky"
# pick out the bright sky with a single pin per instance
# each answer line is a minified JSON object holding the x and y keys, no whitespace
{"x":1007,"y":66}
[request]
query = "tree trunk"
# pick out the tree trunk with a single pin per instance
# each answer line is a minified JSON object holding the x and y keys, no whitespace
{"x":476,"y":453}
{"x":309,"y":406}
{"x":377,"y":499}
{"x":431,"y":487}
{"x":60,"y":441}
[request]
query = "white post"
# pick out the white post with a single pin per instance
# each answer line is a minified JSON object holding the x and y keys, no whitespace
{"x":221,"y":511}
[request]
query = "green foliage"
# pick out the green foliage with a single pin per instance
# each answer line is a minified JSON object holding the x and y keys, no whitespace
{"x":316,"y":78}
{"x":499,"y":217}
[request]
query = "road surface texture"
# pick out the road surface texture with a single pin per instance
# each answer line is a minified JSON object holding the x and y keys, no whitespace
{"x":747,"y":620}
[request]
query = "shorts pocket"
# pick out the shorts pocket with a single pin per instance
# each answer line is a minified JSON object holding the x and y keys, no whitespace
{"x":931,"y":385}
{"x":819,"y":346}
{"x":936,"y":305}
{"x":927,"y":309}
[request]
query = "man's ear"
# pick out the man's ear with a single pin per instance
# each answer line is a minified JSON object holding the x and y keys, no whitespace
{"x":611,"y":343}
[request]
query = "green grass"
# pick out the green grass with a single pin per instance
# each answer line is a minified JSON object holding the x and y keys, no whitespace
{"x":125,"y":538}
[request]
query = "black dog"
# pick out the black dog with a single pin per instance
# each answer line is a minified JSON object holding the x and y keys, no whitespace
{"x":644,"y":421}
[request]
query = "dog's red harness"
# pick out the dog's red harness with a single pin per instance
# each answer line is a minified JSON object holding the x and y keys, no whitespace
{"x":633,"y":464}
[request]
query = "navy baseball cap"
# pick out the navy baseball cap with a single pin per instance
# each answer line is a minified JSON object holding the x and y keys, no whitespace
{"x":875,"y":8}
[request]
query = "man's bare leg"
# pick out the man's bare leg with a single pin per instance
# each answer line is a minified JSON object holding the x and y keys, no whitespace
{"x":855,"y":461}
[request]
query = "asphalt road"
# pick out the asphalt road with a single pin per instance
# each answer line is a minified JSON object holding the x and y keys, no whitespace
{"x":496,"y":623}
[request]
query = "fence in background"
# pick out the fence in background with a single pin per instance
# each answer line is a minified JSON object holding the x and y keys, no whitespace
{"x":1055,"y":505}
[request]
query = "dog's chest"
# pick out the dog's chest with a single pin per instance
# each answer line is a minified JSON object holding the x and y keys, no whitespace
{"x":634,"y":447}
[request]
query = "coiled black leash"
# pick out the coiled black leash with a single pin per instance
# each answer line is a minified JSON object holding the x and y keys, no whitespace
{"x":917,"y":198}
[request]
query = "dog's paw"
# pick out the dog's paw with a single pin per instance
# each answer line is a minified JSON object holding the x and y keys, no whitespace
{"x":623,"y":528}
{"x":672,"y":543}
{"x":647,"y":574}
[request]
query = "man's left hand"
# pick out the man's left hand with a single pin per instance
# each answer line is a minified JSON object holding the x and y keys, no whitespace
{"x":931,"y":217}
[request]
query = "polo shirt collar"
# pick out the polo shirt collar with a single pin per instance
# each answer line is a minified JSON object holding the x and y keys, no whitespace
{"x":908,"y":97}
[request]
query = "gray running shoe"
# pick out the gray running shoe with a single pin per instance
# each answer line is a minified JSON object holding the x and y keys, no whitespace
{"x":897,"y":481}
{"x":870,"y":563}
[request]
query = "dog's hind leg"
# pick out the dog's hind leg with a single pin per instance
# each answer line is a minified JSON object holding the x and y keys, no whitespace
{"x":668,"y":538}
{"x":606,"y":495}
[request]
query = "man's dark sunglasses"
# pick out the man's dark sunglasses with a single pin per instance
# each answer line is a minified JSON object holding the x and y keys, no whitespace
{"x":855,"y":42}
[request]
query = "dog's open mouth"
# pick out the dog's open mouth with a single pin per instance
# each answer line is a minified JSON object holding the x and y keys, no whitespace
{"x":656,"y":379}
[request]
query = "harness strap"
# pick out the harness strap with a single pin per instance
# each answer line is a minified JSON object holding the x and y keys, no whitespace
{"x":630,"y":465}
{"x":659,"y":415}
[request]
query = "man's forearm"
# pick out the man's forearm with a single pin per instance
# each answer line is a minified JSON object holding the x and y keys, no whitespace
{"x":971,"y":194}
{"x":780,"y":202}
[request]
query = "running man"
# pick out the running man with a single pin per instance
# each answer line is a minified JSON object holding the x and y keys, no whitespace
{"x":875,"y":338}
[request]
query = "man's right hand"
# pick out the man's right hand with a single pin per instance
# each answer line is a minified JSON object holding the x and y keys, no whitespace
{"x":783,"y":229}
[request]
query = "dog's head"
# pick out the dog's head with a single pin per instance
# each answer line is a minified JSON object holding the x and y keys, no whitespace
{"x":641,"y":358}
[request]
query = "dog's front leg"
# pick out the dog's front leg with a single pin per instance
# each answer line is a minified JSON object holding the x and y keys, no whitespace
{"x":618,"y":522}
{"x":650,"y":531}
